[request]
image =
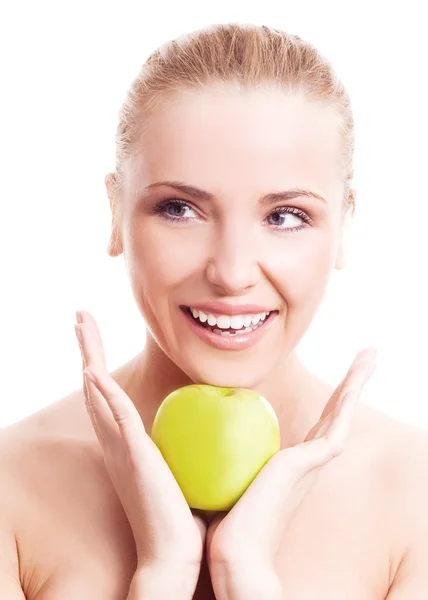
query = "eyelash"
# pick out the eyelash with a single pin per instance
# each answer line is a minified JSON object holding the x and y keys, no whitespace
{"x":161,"y":207}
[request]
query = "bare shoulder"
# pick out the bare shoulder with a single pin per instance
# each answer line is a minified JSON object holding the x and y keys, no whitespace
{"x":43,"y":450}
{"x":27,"y":449}
{"x":408,"y":474}
{"x":60,"y":506}
{"x":402,"y":452}
{"x":10,"y":585}
{"x":56,"y":431}
{"x":403,"y":467}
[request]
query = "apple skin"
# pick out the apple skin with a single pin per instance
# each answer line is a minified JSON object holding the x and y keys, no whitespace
{"x":215,"y":440}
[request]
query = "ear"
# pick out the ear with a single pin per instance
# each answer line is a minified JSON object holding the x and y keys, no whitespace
{"x":115,"y":246}
{"x":348,"y":213}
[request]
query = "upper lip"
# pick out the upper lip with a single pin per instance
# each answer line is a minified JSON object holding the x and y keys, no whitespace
{"x":221,"y":308}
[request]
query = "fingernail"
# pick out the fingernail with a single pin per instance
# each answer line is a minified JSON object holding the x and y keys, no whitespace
{"x":79,"y":316}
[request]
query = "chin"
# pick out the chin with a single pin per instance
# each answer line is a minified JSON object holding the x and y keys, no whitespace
{"x":223,"y":374}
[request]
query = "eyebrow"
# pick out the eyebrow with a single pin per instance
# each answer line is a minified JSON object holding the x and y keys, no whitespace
{"x":266,"y":200}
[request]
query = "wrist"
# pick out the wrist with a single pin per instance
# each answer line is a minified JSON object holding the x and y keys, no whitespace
{"x":164,"y":581}
{"x":245,"y":581}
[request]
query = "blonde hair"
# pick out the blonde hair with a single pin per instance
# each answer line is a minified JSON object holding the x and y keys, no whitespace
{"x":247,"y":56}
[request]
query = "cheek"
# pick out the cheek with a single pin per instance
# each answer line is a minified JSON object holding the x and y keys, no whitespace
{"x":299,"y":267}
{"x":159,"y":260}
{"x":303,"y":269}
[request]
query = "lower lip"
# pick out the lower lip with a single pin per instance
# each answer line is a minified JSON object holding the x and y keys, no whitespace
{"x":235,"y":342}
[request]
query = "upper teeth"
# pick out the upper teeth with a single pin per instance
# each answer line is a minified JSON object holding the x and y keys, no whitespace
{"x":226,"y":321}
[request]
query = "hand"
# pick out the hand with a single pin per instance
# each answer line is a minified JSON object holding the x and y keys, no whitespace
{"x":251,"y":532}
{"x":165,"y":530}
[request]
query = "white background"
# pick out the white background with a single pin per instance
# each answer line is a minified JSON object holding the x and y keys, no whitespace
{"x":66,"y":67}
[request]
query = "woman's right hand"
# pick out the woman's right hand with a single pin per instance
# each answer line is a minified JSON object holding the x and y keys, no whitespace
{"x":168,"y":536}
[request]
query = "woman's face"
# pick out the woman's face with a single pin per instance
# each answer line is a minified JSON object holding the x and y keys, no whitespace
{"x":227,"y":243}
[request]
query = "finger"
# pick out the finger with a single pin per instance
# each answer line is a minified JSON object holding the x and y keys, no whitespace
{"x":92,"y":345}
{"x":94,"y":355}
{"x":362,"y":358}
{"x":85,"y":317}
{"x":97,"y":408}
{"x":80,"y":342}
{"x":91,"y":358}
{"x":133,"y":448}
{"x":123,"y":410}
{"x":330,"y":439}
{"x":316,"y":452}
{"x":340,"y":426}
{"x":85,"y":381}
{"x":356,"y":381}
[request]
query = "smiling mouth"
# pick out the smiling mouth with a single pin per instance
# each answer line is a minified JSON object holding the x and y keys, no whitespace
{"x":229,"y":331}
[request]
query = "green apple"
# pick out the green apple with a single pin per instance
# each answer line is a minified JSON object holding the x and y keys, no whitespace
{"x":215,"y":441}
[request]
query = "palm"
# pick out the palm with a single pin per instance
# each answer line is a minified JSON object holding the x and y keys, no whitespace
{"x":287,"y":477}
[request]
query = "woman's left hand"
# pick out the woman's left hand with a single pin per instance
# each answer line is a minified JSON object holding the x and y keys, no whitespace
{"x":242,"y":544}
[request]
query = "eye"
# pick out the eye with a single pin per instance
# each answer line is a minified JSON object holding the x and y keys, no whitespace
{"x":177,"y":207}
{"x":171,"y":209}
{"x":283,"y":212}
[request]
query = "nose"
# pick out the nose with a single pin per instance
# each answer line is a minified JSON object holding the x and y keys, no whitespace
{"x":233,"y":266}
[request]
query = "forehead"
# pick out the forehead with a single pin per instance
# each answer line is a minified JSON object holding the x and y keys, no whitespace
{"x":262,"y":139}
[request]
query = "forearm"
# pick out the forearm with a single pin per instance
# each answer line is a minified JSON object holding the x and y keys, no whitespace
{"x":163,"y":583}
{"x":245,"y":582}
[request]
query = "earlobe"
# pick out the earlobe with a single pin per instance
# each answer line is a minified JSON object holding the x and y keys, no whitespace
{"x":115,"y":247}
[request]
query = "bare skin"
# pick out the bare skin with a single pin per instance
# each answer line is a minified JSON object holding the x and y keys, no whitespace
{"x":74,"y":539}
{"x":350,"y":535}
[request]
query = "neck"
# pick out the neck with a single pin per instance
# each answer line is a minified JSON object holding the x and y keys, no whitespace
{"x":296,"y":395}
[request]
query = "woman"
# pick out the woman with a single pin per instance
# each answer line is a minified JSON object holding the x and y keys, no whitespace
{"x":230,"y":196}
